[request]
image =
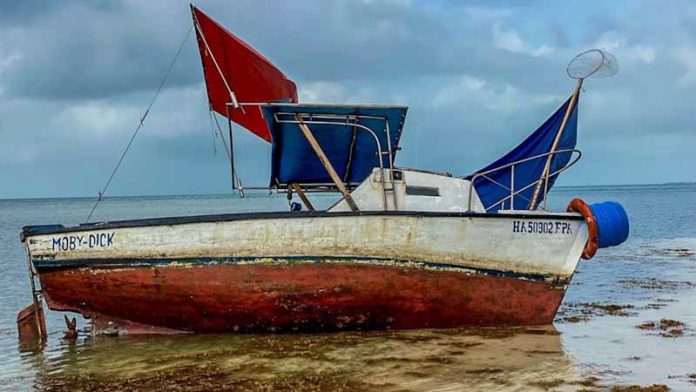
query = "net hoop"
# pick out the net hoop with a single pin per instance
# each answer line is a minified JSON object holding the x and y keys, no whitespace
{"x":592,"y":63}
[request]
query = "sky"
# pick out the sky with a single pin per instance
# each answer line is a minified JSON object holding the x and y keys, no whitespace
{"x":76,"y":77}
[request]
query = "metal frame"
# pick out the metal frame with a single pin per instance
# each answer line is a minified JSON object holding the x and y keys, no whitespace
{"x":348,"y":121}
{"x":511,"y":188}
{"x":326,"y":162}
{"x":346,"y":117}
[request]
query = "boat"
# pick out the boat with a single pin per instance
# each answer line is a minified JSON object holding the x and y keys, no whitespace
{"x":402,"y":248}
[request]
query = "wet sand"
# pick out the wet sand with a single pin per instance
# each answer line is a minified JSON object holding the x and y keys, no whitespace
{"x":482,"y":359}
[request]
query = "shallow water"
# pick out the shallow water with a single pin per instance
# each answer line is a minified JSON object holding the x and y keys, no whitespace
{"x":594,"y":343}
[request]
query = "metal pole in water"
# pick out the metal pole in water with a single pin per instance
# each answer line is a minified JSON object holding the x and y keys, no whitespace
{"x":31,"y":323}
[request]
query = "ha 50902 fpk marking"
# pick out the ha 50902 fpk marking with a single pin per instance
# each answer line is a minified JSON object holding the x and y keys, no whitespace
{"x":541,"y":227}
{"x":73,"y":242}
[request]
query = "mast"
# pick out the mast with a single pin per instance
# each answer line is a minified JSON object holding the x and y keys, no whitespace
{"x":199,"y":31}
{"x":238,"y":95}
{"x":233,"y":173}
{"x":591,"y":63}
{"x":544,"y":178}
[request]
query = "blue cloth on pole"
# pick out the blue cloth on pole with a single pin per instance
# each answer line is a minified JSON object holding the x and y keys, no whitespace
{"x":495,"y":186}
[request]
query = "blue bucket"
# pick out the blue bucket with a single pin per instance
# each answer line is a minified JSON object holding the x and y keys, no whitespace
{"x":612,"y":223}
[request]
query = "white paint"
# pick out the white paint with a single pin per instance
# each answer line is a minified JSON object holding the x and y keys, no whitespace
{"x":476,"y":242}
{"x":490,"y":242}
{"x":453,"y":193}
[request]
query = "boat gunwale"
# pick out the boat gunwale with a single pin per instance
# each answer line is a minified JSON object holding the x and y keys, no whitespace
{"x":28,"y":231}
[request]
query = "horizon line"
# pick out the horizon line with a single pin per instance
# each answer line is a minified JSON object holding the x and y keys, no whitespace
{"x":256,"y":191}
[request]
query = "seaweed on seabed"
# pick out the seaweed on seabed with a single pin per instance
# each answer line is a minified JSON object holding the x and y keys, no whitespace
{"x":639,"y":388}
{"x":547,"y":384}
{"x":667,"y":328}
{"x":584,"y":311}
{"x":574,"y":318}
{"x":655,"y":284}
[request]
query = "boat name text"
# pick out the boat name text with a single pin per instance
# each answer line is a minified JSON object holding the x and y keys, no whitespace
{"x":72,"y":242}
{"x":541,"y":227}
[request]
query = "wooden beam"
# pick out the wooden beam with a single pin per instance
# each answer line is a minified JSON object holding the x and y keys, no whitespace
{"x":303,"y":196}
{"x":545,"y":173}
{"x":327,"y":164}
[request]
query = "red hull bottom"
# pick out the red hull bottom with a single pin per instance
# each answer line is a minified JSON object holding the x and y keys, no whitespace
{"x":295,"y":297}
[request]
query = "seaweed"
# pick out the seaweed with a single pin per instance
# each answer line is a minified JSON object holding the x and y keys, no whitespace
{"x":639,"y":388}
{"x":667,"y":328}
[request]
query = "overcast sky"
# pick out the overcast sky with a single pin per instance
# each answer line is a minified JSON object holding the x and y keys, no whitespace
{"x":75,"y":77}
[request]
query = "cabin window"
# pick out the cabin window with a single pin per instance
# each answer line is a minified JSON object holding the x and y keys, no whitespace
{"x":422,"y":191}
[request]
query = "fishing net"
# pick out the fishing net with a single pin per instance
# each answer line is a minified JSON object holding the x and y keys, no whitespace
{"x":593,"y":63}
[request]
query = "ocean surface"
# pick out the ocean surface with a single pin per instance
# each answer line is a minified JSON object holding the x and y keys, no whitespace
{"x":629,"y":318}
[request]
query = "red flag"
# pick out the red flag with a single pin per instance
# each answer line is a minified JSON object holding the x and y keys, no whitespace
{"x":235,"y":70}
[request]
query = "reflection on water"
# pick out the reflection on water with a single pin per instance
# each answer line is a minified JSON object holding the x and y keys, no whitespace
{"x":520,"y":358}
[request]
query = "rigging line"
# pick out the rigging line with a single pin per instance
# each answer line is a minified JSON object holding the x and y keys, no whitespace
{"x":222,"y":136}
{"x":235,"y":176}
{"x":212,"y":130}
{"x":140,"y":124}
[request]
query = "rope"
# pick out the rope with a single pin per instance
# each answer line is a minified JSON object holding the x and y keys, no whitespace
{"x":213,"y":133}
{"x":140,"y":124}
{"x":222,"y":136}
{"x":235,"y":178}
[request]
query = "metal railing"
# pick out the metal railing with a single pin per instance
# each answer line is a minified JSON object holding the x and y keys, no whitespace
{"x":511,"y":188}
{"x":349,"y":121}
{"x":323,"y":119}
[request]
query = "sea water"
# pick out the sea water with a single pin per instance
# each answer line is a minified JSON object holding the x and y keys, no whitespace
{"x":629,"y":317}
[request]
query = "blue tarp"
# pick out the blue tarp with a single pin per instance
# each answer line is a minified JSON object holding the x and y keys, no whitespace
{"x":351,"y":151}
{"x":493,"y":189}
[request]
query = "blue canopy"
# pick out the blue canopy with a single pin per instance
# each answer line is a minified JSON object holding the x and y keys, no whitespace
{"x":340,"y":131}
{"x":495,"y":186}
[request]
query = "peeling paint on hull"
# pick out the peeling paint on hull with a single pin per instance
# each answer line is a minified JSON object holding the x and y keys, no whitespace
{"x":311,"y":271}
{"x":296,"y":296}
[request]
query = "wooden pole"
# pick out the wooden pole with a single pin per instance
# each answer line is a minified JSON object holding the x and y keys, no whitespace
{"x":212,"y":57}
{"x":327,"y":164}
{"x":296,"y":187}
{"x":547,"y":166}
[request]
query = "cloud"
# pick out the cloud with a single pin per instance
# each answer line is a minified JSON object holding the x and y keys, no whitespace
{"x":75,"y":78}
{"x":502,"y":98}
{"x":89,"y":50}
{"x":7,"y":61}
{"x":488,"y":14}
{"x":509,"y":39}
{"x":95,"y":119}
{"x":618,"y":44}
{"x":17,"y":155}
{"x":322,"y":91}
{"x":686,"y":56}
{"x":110,"y":50}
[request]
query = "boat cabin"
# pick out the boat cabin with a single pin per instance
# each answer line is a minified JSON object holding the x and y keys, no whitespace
{"x":413,"y":190}
{"x":351,"y":149}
